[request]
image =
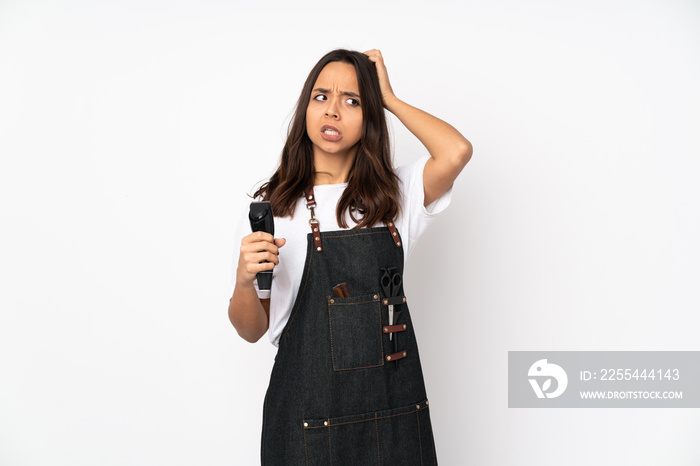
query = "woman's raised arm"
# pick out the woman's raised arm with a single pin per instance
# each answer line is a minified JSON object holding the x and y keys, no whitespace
{"x":449,"y":150}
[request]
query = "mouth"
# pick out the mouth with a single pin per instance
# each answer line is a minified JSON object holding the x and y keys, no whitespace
{"x":331,"y":133}
{"x":328,"y":129}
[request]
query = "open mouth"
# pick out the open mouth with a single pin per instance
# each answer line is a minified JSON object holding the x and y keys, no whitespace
{"x":331,"y":133}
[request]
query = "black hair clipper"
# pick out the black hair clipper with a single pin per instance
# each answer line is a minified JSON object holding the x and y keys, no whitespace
{"x":260,"y":217}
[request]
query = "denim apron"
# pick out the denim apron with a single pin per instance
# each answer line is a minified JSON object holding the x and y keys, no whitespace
{"x":339,"y":394}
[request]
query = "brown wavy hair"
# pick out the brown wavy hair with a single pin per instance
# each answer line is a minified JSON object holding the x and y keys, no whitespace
{"x":372,"y":194}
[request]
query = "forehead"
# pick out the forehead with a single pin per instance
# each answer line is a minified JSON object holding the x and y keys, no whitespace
{"x":338,"y":75}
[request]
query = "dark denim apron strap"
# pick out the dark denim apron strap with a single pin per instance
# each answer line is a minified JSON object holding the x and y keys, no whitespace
{"x":336,"y":395}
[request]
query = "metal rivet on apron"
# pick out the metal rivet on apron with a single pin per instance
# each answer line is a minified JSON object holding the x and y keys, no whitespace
{"x":390,"y":224}
{"x":404,"y":326}
{"x":398,"y":243}
{"x":317,"y":238}
{"x":386,"y":301}
{"x":318,"y":249}
{"x":394,"y":233}
{"x":375,"y":296}
{"x":315,"y":229}
{"x":404,"y":353}
{"x":426,"y":402}
{"x":404,"y":299}
{"x":388,"y":358}
{"x":417,"y":406}
{"x":311,"y":197}
{"x":306,"y":424}
{"x":325,"y":423}
{"x":332,"y":301}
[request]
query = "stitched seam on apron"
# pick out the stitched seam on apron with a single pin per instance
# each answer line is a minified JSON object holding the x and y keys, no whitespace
{"x":354,"y":368}
{"x":306,"y":450}
{"x":366,"y":420}
{"x":432,"y":438}
{"x":301,"y":295}
{"x":352,"y":304}
{"x":376,"y":428}
{"x":262,"y":459}
{"x":330,"y":329}
{"x":330,"y":452}
{"x":420,"y":444}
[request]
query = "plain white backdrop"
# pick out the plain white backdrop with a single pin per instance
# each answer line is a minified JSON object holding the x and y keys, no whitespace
{"x":131,"y":131}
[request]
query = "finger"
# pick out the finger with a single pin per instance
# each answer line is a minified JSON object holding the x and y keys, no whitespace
{"x":257,"y":257}
{"x":280,"y":242}
{"x":261,"y":246}
{"x":258,"y":239}
{"x":255,"y":268}
{"x":258,"y":236}
{"x":374,"y":55}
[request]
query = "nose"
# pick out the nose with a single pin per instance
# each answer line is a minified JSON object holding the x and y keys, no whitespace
{"x":332,"y":108}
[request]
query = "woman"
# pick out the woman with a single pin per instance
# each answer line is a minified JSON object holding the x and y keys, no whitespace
{"x":347,"y":386}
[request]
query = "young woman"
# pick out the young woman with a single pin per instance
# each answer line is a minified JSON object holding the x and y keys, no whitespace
{"x":347,"y":386}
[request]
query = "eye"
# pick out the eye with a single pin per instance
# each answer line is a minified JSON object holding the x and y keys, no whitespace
{"x":353,"y":102}
{"x":320,"y":97}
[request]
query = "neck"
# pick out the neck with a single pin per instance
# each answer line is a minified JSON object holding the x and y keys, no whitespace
{"x":332,"y":168}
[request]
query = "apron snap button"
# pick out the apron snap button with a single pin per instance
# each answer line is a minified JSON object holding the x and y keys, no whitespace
{"x":332,"y":301}
{"x":325,"y":423}
{"x":306,"y":424}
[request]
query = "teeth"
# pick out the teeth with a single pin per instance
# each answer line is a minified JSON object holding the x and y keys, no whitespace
{"x":330,"y":131}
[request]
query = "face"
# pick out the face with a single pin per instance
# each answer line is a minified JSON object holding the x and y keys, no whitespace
{"x":334,"y":113}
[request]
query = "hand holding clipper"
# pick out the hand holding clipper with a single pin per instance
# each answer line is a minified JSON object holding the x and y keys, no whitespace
{"x":260,"y":217}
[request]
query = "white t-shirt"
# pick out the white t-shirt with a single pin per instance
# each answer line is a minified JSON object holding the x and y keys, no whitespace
{"x":287,"y":275}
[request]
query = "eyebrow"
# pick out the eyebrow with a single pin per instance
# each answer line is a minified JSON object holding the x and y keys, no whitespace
{"x":327,"y":91}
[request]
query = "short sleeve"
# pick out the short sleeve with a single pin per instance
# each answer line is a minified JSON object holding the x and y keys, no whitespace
{"x":415,"y":217}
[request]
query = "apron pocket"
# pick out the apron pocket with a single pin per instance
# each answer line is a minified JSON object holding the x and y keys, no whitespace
{"x":356,"y":332}
{"x":400,"y":436}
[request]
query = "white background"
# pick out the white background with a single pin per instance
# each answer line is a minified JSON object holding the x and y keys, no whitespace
{"x":131,"y":131}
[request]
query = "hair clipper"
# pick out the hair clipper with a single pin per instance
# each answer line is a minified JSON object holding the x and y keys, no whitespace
{"x":260,"y":217}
